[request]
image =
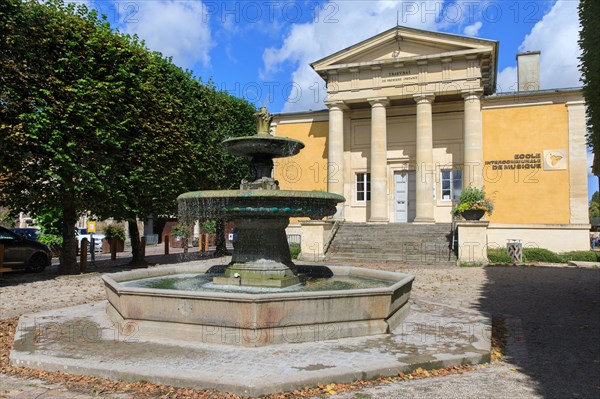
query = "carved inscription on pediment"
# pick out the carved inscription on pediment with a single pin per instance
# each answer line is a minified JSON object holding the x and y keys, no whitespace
{"x":401,"y":76}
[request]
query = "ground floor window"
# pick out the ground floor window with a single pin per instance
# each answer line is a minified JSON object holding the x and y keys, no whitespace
{"x":451,"y":184}
{"x":363,"y":187}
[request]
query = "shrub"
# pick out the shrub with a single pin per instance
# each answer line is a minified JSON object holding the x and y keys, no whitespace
{"x":542,"y":255}
{"x":54,"y":242}
{"x":210,"y":226}
{"x":181,"y":231}
{"x":294,"y":250}
{"x":114,"y":230}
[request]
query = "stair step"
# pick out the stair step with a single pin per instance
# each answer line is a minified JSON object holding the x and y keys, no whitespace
{"x":393,"y":243}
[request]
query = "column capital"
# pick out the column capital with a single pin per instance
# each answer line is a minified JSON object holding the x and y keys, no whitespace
{"x":424,"y":97}
{"x":336,"y":104}
{"x":379,"y":101}
{"x":472,"y":94}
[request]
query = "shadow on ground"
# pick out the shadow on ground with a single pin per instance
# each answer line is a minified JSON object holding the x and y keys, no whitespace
{"x":553,"y":317}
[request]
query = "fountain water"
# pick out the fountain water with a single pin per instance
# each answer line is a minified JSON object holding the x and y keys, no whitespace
{"x":261,"y":289}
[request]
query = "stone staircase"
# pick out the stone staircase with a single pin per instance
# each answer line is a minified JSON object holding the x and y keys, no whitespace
{"x":405,"y":243}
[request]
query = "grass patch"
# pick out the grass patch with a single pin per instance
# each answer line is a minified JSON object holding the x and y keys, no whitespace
{"x":471,"y":264}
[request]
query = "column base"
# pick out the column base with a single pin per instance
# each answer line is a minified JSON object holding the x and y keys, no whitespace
{"x":424,"y":221}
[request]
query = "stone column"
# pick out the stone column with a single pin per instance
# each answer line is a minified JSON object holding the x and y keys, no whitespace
{"x":335,"y":151}
{"x":425,"y":169}
{"x":379,"y":180}
{"x":473,"y":151}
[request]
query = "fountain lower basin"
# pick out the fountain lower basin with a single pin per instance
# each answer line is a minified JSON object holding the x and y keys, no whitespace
{"x":237,"y":318}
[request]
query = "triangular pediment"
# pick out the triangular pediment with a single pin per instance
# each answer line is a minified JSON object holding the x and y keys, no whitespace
{"x":398,"y":50}
{"x":404,"y":44}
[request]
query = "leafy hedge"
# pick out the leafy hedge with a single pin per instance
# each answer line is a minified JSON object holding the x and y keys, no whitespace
{"x":498,"y":255}
{"x":542,"y":255}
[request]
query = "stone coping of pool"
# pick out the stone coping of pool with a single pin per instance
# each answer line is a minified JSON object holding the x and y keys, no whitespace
{"x":261,"y":319}
{"x":81,"y":340}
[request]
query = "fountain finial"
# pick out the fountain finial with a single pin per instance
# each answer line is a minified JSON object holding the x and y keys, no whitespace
{"x":263,"y":121}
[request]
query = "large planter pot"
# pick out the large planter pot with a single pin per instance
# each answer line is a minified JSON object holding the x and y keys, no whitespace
{"x":106,"y":246}
{"x":473,"y":214}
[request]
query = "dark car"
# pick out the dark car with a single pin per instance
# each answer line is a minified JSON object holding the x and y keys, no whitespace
{"x":23,"y":253}
{"x":27,"y":232}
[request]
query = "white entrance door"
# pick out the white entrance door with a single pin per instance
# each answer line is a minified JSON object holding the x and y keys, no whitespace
{"x":405,"y":196}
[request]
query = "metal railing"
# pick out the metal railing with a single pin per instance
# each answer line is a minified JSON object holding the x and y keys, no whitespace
{"x":336,"y":225}
{"x":294,"y":239}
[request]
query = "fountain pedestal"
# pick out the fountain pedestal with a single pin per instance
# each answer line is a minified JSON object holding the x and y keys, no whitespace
{"x":261,"y":255}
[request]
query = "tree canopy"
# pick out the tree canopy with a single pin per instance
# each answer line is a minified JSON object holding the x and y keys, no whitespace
{"x":589,"y":41}
{"x":91,"y":120}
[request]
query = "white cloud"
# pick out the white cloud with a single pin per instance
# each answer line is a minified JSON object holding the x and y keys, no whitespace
{"x":473,"y":30}
{"x":338,"y":25}
{"x":555,"y":35}
{"x":507,"y":80}
{"x":179,"y":29}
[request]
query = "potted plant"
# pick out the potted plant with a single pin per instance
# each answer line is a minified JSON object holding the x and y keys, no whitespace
{"x":182,"y":235}
{"x":115,"y":231}
{"x":472,"y":204}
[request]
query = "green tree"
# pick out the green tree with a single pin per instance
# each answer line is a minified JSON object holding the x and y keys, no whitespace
{"x":589,"y":41}
{"x":71,"y":90}
{"x":594,"y":207}
{"x":61,"y":74}
{"x":91,"y":120}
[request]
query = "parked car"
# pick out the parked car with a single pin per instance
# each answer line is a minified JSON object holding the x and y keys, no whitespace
{"x":23,"y":253}
{"x":28,"y":232}
{"x":97,"y":240}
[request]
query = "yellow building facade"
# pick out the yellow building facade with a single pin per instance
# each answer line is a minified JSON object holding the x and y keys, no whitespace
{"x":413,"y":117}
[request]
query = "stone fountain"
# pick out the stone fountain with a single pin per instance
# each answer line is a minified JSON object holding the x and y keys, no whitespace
{"x":261,"y":291}
{"x":260,"y":210}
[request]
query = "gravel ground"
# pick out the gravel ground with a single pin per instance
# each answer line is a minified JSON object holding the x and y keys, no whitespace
{"x":552,"y":315}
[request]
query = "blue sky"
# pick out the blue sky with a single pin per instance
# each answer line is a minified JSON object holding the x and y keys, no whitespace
{"x":261,"y":50}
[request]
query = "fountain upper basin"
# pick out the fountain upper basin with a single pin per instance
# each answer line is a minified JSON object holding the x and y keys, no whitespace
{"x":257,"y":319}
{"x":231,"y":203}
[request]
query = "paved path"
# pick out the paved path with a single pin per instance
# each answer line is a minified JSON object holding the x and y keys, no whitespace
{"x":552,"y":314}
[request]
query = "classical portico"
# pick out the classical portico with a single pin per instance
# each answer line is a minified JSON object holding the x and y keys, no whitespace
{"x":401,"y":104}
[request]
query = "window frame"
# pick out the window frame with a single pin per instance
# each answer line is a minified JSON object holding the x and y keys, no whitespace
{"x":452,"y":179}
{"x":365,"y":180}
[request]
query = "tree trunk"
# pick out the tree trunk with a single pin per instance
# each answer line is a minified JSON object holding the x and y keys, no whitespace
{"x":220,"y":242}
{"x":68,"y":254}
{"x":137,"y":251}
